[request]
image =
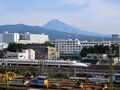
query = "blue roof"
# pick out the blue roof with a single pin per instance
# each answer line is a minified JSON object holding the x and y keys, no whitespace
{"x":41,"y":76}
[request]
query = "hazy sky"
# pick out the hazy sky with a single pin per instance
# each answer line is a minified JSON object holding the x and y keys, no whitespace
{"x":101,"y":16}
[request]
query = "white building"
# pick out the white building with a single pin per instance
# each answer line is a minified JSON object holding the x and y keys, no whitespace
{"x":10,"y":37}
{"x":93,"y":43}
{"x":68,"y":46}
{"x":71,"y":46}
{"x":33,"y":38}
{"x":114,"y":40}
{"x":23,"y":38}
{"x":25,"y":54}
{"x":31,"y":54}
{"x":115,"y":37}
{"x":1,"y":38}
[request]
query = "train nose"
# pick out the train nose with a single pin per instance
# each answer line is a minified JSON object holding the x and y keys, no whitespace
{"x":81,"y":65}
{"x":85,"y":65}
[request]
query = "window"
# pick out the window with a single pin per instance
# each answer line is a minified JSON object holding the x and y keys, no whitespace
{"x":20,"y":55}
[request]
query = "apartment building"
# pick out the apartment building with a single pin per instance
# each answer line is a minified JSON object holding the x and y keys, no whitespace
{"x":68,"y":48}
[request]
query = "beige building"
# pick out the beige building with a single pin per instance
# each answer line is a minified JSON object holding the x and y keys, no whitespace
{"x":52,"y":53}
{"x":31,"y":54}
{"x":25,"y":54}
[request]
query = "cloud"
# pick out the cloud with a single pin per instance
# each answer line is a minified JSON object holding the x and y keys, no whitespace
{"x":77,"y":2}
{"x":94,"y":15}
{"x":99,"y":16}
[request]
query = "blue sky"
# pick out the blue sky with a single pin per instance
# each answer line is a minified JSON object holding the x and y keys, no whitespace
{"x":102,"y":16}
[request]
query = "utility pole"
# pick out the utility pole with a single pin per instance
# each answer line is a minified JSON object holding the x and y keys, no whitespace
{"x":74,"y":71}
{"x":111,"y":55}
{"x":39,"y":68}
{"x":118,"y":53}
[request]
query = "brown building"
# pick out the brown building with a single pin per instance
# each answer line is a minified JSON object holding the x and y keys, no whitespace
{"x":44,"y":52}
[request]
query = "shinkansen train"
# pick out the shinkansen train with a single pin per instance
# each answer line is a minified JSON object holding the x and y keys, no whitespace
{"x":25,"y":62}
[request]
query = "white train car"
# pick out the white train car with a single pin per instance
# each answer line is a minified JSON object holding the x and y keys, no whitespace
{"x":25,"y":62}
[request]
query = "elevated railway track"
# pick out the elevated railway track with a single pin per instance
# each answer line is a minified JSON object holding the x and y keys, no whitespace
{"x":100,"y":69}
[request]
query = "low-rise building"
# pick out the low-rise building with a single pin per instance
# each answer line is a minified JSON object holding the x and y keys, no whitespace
{"x":99,"y":59}
{"x":25,"y":54}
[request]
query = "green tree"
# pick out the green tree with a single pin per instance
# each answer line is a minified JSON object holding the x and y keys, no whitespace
{"x":115,"y":49}
{"x":48,"y":44}
{"x":15,"y":47}
{"x":97,"y":49}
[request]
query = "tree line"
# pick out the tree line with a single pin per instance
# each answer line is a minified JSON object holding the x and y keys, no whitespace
{"x":16,"y":47}
{"x":100,"y":49}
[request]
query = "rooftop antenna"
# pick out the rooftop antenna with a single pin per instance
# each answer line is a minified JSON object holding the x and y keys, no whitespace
{"x":119,"y":53}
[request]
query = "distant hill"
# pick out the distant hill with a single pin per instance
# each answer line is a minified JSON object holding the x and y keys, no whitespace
{"x":53,"y":34}
{"x":58,"y":25}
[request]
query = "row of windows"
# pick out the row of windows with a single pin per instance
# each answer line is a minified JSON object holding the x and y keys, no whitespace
{"x":61,"y":62}
{"x":70,"y":49}
{"x":68,"y":44}
{"x":14,"y":56}
{"x":94,"y":43}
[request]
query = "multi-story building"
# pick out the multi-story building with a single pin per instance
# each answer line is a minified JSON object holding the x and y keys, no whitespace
{"x":23,"y":38}
{"x":104,"y":43}
{"x":93,"y":43}
{"x":68,"y":47}
{"x":114,"y":40}
{"x":1,"y":38}
{"x":115,"y":37}
{"x":31,"y":54}
{"x":44,"y":52}
{"x":25,"y":54}
{"x":52,"y":53}
{"x":10,"y":37}
{"x":33,"y":38}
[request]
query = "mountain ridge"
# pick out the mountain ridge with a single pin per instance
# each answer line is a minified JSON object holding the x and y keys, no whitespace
{"x":58,"y":25}
{"x":22,"y":28}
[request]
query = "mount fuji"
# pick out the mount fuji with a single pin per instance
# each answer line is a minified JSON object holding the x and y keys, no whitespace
{"x":60,"y":26}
